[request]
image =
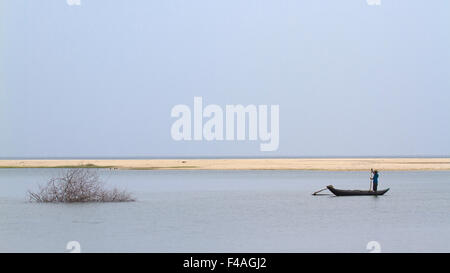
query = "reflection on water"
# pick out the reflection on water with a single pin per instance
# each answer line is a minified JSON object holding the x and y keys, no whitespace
{"x":232,"y":211}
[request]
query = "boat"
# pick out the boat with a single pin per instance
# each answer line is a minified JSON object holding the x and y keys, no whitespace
{"x":339,"y":192}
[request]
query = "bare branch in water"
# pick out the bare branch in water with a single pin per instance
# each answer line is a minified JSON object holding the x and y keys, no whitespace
{"x":78,"y":185}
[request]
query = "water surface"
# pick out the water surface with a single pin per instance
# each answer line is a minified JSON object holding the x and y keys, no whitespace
{"x":232,"y":211}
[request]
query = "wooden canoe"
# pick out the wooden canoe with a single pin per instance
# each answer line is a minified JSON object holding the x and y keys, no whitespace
{"x":338,"y":192}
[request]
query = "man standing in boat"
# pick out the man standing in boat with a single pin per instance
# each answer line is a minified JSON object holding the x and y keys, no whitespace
{"x":375,"y":180}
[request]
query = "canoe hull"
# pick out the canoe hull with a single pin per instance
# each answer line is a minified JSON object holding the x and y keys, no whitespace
{"x":339,"y":192}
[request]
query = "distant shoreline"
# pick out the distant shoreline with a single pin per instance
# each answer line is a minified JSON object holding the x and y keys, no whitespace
{"x":320,"y":164}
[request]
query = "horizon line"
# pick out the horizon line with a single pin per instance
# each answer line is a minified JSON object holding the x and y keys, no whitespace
{"x":213,"y":157}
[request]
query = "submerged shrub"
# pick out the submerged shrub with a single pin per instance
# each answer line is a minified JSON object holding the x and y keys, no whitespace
{"x":78,"y":185}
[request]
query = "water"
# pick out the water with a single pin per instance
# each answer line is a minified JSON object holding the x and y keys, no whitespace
{"x":232,"y":211}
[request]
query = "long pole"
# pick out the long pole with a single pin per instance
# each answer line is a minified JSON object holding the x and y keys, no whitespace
{"x":319,"y":191}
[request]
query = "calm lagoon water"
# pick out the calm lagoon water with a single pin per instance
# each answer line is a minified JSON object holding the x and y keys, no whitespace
{"x":232,"y":211}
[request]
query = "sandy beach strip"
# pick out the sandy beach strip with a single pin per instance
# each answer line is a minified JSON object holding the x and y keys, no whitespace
{"x":329,"y":164}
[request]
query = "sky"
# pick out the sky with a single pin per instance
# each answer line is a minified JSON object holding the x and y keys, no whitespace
{"x":99,"y":79}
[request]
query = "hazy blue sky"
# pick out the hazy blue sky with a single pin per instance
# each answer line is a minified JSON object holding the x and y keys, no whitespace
{"x":100,"y":79}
